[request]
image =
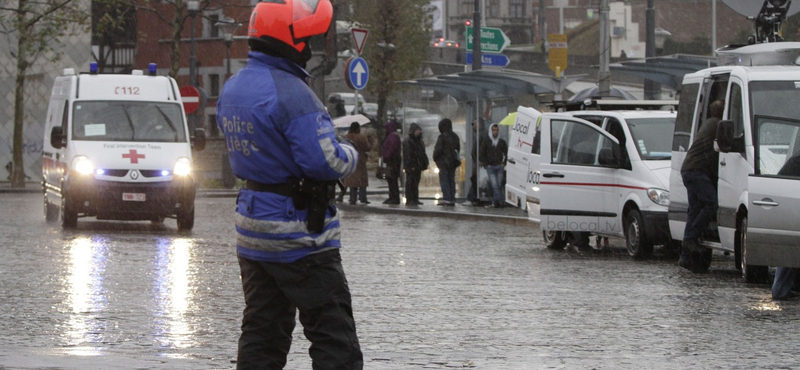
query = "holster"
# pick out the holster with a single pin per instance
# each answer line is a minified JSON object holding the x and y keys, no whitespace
{"x":315,"y":196}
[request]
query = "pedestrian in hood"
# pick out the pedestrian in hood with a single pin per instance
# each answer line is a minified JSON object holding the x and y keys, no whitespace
{"x":447,"y":155}
{"x":390,"y":153}
{"x":359,"y":180}
{"x":282,"y":142}
{"x":493,"y":156}
{"x":415,"y":160}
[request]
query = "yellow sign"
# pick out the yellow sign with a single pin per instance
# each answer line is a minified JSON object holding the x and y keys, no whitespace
{"x":557,"y":53}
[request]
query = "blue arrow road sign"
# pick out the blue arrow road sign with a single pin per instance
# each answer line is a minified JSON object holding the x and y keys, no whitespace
{"x":357,"y":73}
{"x":492,"y":60}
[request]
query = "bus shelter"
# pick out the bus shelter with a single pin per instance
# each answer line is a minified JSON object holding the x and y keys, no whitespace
{"x":475,"y":87}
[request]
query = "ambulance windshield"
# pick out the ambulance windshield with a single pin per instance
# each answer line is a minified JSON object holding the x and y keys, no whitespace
{"x":128,"y":121}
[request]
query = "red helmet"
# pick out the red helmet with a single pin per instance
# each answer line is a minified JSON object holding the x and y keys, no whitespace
{"x":291,"y":22}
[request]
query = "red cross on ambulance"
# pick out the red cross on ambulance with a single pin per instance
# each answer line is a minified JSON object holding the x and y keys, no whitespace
{"x":133,"y":156}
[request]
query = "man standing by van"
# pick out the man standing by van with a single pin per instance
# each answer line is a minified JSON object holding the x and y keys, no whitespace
{"x":282,"y":142}
{"x":700,"y":172}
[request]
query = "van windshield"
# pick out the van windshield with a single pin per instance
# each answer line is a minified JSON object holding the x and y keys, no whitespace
{"x":128,"y":121}
{"x":775,"y":98}
{"x":652,"y":136}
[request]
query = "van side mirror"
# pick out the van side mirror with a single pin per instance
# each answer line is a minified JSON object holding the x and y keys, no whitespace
{"x":726,"y":142}
{"x":57,"y":137}
{"x":199,"y":139}
{"x":725,"y":136}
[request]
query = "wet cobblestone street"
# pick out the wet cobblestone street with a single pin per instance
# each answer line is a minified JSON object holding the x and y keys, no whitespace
{"x":428,"y":292}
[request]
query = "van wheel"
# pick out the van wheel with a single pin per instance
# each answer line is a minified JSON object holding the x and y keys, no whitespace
{"x":69,"y":215}
{"x":635,"y":239}
{"x":186,"y":220}
{"x":50,"y":211}
{"x":751,"y":274}
{"x":554,"y":239}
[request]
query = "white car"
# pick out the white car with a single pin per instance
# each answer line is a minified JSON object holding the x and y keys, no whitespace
{"x":603,"y":172}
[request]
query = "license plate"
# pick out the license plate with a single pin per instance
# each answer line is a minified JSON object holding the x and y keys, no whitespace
{"x":133,"y":197}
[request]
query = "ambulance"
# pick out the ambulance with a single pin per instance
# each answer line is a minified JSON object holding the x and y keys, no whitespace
{"x":602,"y":172}
{"x":118,"y":147}
{"x":758,"y":139}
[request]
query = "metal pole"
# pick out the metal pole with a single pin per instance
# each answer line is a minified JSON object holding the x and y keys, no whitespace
{"x":604,"y":76}
{"x":192,"y":59}
{"x":477,"y":58}
{"x":713,"y":26}
{"x":652,"y":89}
{"x":227,"y":76}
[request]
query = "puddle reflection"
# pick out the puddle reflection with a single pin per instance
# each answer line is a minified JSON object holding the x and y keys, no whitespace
{"x":86,"y":294}
{"x":174,"y":293}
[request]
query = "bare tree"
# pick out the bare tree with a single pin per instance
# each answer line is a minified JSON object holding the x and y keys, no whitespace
{"x":34,"y":28}
{"x":176,"y":16}
{"x":398,"y":43}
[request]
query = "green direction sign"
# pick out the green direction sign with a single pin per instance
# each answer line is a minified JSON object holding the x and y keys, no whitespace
{"x":493,"y":40}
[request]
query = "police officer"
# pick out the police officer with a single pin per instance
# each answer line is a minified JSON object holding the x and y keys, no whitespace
{"x":282,"y":142}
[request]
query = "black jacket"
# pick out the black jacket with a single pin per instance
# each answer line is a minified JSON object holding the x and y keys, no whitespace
{"x":414,"y":156}
{"x":491,"y":154}
{"x":446,"y":153}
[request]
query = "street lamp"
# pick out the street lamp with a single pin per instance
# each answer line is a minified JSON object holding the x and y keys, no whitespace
{"x":228,"y":28}
{"x":193,"y":6}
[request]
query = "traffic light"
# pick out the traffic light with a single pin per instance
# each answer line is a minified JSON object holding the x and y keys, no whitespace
{"x":468,"y":23}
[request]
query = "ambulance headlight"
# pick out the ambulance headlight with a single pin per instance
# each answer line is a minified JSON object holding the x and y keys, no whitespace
{"x":82,"y":165}
{"x":659,"y":196}
{"x":183,"y":167}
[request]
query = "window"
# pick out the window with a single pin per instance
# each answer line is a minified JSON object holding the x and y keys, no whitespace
{"x":576,"y":144}
{"x":128,"y":121}
{"x":467,"y":7}
{"x":493,"y":8}
{"x":210,"y":19}
{"x":735,"y":113}
{"x":213,"y":82}
{"x":516,"y":8}
{"x":212,"y":125}
{"x":683,"y":121}
{"x":777,"y":151}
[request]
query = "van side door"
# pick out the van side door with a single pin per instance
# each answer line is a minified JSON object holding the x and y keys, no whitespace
{"x":578,"y":184}
{"x":773,"y":236}
{"x":733,"y":167}
{"x":522,"y":167}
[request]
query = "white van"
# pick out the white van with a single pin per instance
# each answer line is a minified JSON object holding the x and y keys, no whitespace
{"x":117,"y":147}
{"x":603,"y":172}
{"x":759,"y":142}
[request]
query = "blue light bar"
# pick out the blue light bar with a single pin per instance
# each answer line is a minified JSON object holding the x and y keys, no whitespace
{"x":152,"y":69}
{"x":93,"y":68}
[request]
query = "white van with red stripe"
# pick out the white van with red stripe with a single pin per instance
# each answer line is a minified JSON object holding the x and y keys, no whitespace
{"x":118,"y":147}
{"x":603,"y":172}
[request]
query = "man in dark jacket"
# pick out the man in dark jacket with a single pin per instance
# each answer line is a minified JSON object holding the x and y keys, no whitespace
{"x":493,"y":156}
{"x":447,"y":156}
{"x":415,"y":160}
{"x":699,"y":172}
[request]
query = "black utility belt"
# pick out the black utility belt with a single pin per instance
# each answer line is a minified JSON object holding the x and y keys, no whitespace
{"x":287,"y":189}
{"x":315,"y":196}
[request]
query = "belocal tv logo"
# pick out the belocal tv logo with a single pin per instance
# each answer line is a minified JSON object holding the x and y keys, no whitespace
{"x":521,"y":128}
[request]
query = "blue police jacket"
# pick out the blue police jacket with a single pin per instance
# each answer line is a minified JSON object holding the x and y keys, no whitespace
{"x":276,"y":129}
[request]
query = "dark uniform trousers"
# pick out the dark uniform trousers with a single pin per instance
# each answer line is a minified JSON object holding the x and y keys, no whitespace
{"x":316,"y":286}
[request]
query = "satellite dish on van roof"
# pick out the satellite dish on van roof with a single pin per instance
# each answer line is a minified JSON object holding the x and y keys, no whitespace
{"x":750,"y":8}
